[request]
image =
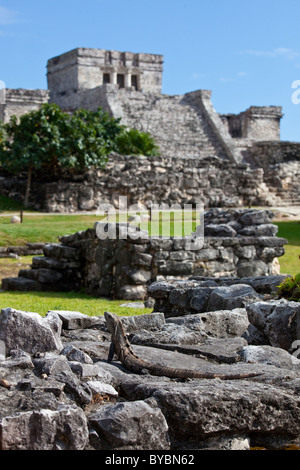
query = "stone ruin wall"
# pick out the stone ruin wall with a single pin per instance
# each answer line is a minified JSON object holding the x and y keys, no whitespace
{"x":20,"y":101}
{"x":222,"y":160}
{"x":145,"y":180}
{"x":237,"y":243}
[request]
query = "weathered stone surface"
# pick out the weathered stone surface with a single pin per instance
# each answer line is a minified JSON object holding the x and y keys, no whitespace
{"x":152,"y":321}
{"x":124,"y":268}
{"x":198,"y":414}
{"x":75,"y":320}
{"x":193,"y":410}
{"x":74,"y":354}
{"x":256,"y":217}
{"x":218,"y":324}
{"x":17,"y":358}
{"x":26,"y":431}
{"x":221,"y":350}
{"x":29,"y":331}
{"x":267,"y":230}
{"x":270,"y":355}
{"x":170,"y":334}
{"x":20,"y":284}
{"x":130,"y":426}
{"x":130,"y":292}
{"x":264,"y":284}
{"x":100,"y":388}
{"x":51,"y":364}
{"x":277,"y":320}
{"x":230,"y":297}
{"x":219,"y":230}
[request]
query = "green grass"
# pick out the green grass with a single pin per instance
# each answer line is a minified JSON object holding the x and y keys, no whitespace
{"x":42,"y":228}
{"x":10,"y":267}
{"x":41,"y":302}
{"x":290,"y":262}
{"x":47,"y":228}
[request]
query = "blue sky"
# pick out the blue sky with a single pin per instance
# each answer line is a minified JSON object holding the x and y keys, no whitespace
{"x":246,"y":51}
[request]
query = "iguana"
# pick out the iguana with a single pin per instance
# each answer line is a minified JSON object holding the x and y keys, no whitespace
{"x":121,"y":346}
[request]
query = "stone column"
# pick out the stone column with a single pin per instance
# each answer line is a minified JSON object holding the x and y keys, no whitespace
{"x":113,"y":77}
{"x":128,"y":80}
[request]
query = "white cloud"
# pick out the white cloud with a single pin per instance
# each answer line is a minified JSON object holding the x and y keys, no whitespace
{"x":8,"y":16}
{"x":284,"y":52}
{"x":196,"y":75}
{"x":233,"y":79}
{"x":226,"y":79}
{"x":288,"y":53}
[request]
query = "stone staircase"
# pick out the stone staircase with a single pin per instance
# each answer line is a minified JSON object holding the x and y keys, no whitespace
{"x":178,"y":123}
{"x":57,"y":270}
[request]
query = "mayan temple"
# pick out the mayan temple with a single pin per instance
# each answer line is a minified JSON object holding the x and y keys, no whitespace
{"x":186,"y":128}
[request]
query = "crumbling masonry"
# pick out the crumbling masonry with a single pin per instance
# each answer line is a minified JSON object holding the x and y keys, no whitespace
{"x":186,"y":127}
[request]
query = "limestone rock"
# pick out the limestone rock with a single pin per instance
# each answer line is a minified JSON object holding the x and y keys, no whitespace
{"x":277,"y":320}
{"x":130,"y":426}
{"x":29,"y":331}
{"x":269,"y":355}
{"x":74,"y":354}
{"x":152,"y":321}
{"x":217,"y":324}
{"x":230,"y":297}
{"x":100,"y":388}
{"x":74,"y":320}
{"x":193,"y":410}
{"x":26,"y":430}
{"x":15,"y":220}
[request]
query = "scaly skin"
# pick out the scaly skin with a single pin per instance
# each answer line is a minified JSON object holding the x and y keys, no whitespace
{"x":122,"y":348}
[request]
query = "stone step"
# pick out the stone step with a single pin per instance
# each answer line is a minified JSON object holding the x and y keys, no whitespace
{"x":61,"y":252}
{"x":53,"y":263}
{"x":179,"y":128}
{"x":42,"y":275}
{"x":25,"y":284}
{"x":20,"y":284}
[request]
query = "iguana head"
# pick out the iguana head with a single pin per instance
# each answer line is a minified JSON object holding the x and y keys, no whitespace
{"x":112,"y":321}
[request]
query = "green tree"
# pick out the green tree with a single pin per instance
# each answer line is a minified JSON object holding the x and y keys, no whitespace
{"x":51,"y":139}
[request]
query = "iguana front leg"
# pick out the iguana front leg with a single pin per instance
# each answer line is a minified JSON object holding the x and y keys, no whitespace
{"x":111,"y":352}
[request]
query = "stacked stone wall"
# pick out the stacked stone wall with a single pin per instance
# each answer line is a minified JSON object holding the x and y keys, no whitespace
{"x":237,"y":243}
{"x":213,"y":181}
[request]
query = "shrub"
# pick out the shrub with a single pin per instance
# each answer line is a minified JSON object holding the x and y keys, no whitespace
{"x":134,"y":142}
{"x":290,"y":288}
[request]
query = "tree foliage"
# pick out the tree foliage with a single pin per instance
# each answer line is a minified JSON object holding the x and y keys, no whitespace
{"x":52,"y":140}
{"x":134,"y":142}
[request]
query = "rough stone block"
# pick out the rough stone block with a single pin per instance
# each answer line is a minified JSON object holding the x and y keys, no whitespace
{"x":256,"y":217}
{"x":66,"y":430}
{"x":74,"y":320}
{"x":230,"y":297}
{"x":132,"y":426}
{"x":277,"y":320}
{"x":20,"y":284}
{"x":219,"y":230}
{"x":29,"y":331}
{"x":252,"y":268}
